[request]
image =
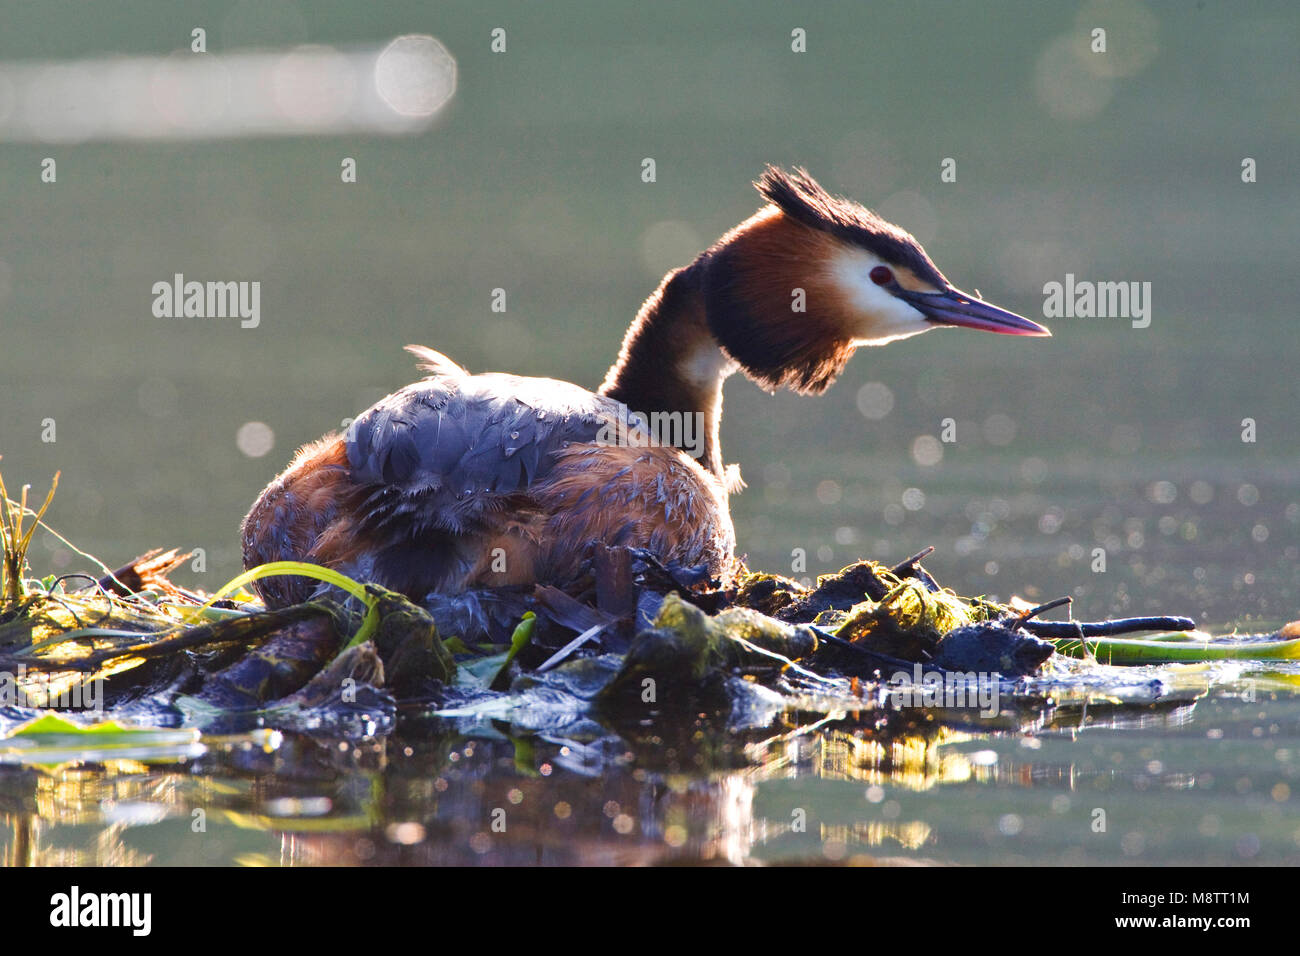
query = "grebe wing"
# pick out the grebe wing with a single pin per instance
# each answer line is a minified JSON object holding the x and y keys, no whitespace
{"x":444,"y":452}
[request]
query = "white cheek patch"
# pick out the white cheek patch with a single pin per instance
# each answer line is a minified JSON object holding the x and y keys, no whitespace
{"x":878,"y":316}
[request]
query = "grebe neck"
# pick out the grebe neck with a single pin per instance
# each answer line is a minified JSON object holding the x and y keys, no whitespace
{"x":670,"y":362}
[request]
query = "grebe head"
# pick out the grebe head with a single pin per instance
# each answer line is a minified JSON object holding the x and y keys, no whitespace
{"x":791,"y":292}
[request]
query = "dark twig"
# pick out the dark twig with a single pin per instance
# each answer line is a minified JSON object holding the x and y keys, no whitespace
{"x":1125,"y":625}
{"x":1044,"y":608}
{"x":911,"y":568}
{"x":899,"y":569}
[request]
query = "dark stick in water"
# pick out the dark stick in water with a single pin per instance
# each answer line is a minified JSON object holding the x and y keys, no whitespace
{"x":1124,"y":625}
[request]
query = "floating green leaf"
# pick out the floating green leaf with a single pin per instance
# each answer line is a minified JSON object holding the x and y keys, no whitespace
{"x":1177,"y":647}
{"x":51,"y":740}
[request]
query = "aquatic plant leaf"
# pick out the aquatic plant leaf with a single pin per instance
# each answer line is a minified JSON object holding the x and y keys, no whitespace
{"x":518,"y":640}
{"x":51,"y":740}
{"x":1179,"y":647}
{"x":14,"y":541}
{"x":51,"y":724}
{"x":307,"y":570}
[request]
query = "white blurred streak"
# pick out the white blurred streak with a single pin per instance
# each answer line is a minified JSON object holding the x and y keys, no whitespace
{"x":308,"y":90}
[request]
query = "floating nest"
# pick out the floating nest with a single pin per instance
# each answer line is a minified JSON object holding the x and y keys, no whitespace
{"x":636,"y":636}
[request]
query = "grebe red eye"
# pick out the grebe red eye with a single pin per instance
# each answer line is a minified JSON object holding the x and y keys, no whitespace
{"x":881,"y":275}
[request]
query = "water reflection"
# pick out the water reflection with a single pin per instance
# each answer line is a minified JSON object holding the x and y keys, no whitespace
{"x":1187,"y":780}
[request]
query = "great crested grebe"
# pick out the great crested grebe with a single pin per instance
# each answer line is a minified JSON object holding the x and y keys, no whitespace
{"x":467,"y":481}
